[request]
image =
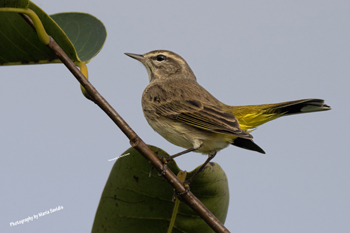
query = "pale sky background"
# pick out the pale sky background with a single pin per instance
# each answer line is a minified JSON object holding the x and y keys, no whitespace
{"x":55,"y":144}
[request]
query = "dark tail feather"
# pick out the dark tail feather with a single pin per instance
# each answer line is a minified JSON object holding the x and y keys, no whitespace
{"x":247,"y":144}
{"x":300,"y":106}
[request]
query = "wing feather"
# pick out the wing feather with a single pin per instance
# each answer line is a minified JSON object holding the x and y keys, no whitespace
{"x":202,"y":116}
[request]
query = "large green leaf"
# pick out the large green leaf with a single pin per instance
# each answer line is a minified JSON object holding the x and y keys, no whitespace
{"x":133,"y":202}
{"x":14,"y":3}
{"x":85,"y":31}
{"x":19,"y":43}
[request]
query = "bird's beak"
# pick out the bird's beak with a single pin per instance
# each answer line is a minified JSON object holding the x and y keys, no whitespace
{"x":138,"y":57}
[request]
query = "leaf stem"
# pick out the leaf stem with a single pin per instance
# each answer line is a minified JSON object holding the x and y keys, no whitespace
{"x":182,"y":176}
{"x":43,"y":36}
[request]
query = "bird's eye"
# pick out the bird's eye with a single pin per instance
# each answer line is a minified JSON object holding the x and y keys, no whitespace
{"x":161,"y":58}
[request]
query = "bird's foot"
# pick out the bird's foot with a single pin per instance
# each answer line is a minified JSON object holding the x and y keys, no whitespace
{"x":165,"y":166}
{"x":178,"y":195}
{"x":165,"y":161}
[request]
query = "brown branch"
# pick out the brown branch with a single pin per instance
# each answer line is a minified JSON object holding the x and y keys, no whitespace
{"x":136,"y":142}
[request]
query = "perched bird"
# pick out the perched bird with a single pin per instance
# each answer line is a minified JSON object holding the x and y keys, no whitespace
{"x":187,"y":115}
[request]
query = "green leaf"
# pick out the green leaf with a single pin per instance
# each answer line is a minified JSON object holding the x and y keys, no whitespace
{"x":19,"y":43}
{"x":133,"y":202}
{"x":86,"y":32}
{"x":14,"y":3}
{"x":211,"y":187}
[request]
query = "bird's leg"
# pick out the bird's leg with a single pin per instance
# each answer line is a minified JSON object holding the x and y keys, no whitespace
{"x":210,"y":157}
{"x":187,"y":182}
{"x":180,"y":153}
{"x":165,"y":160}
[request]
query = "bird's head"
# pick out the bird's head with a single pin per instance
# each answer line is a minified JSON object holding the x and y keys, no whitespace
{"x":163,"y":64}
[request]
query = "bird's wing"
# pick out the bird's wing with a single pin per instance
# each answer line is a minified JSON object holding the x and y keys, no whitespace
{"x":202,"y":116}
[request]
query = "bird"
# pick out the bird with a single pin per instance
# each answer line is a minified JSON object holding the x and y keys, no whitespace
{"x":177,"y":107}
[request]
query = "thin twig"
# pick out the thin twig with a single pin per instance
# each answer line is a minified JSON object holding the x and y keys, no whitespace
{"x":136,"y":142}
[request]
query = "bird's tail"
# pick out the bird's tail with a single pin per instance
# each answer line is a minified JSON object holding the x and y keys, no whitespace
{"x":249,"y":117}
